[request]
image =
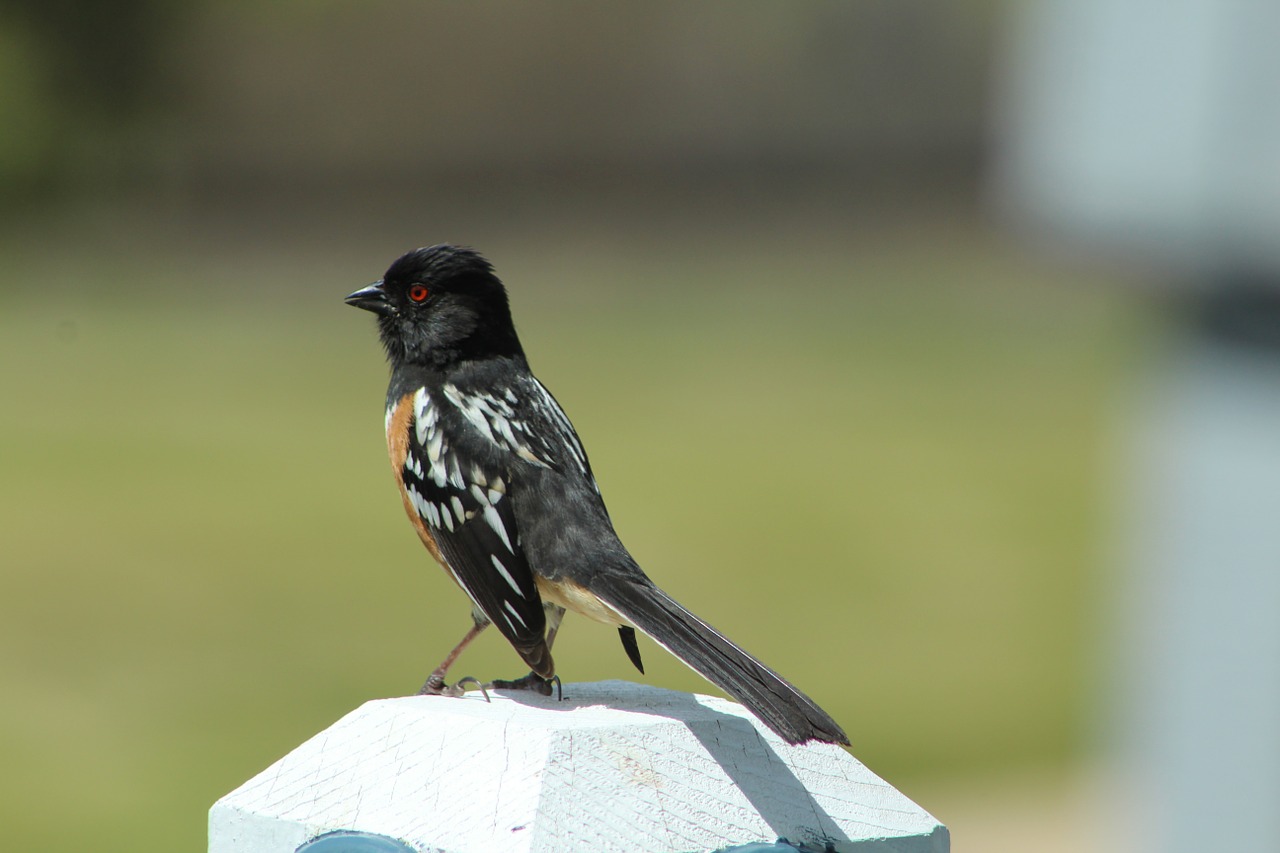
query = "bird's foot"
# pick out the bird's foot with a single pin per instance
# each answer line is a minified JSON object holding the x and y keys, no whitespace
{"x":435,"y":686}
{"x":532,"y":681}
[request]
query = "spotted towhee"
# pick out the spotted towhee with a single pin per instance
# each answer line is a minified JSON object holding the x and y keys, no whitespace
{"x":496,"y":483}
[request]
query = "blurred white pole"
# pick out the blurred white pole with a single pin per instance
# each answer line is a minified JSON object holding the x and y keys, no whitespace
{"x":1198,"y":673}
{"x":1148,"y":127}
{"x":1151,"y":128}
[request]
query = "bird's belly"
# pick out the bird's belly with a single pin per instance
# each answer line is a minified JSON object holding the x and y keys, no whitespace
{"x":577,"y":599}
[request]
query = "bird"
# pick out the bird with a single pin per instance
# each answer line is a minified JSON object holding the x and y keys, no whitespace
{"x":495,"y":481}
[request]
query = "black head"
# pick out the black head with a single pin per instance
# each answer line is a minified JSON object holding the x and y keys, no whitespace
{"x":438,"y":305}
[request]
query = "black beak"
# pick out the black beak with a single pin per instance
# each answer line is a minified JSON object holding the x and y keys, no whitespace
{"x":372,"y":298}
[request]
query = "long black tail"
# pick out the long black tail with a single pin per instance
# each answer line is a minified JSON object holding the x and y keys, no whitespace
{"x":794,"y":716}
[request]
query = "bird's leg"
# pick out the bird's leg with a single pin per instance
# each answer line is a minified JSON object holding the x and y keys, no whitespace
{"x":435,"y":685}
{"x":533,"y":681}
{"x":554,"y":614}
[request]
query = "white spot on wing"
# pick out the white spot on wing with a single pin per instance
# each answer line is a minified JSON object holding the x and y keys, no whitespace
{"x":504,"y":427}
{"x":470,"y":410}
{"x":422,"y":409}
{"x":455,"y":474}
{"x":560,"y":422}
{"x":411,"y":464}
{"x":495,"y":521}
{"x":502,"y":570}
{"x":516,"y":614}
{"x":527,"y":454}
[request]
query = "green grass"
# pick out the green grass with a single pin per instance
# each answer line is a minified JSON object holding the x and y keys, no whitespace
{"x":872,"y":461}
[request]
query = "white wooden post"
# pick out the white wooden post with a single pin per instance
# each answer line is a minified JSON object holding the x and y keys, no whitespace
{"x":614,"y":766}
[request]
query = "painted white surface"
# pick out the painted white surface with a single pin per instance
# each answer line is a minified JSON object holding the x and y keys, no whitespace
{"x":614,"y":766}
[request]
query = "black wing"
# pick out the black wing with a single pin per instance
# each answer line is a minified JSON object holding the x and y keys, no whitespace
{"x":525,"y":420}
{"x":465,"y":506}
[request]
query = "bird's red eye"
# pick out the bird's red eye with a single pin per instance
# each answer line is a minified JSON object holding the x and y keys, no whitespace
{"x":417,"y":293}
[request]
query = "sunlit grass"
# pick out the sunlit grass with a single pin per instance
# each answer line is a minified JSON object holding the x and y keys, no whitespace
{"x":872,"y":464}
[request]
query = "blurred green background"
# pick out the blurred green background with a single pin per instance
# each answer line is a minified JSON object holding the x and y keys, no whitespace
{"x":832,"y":409}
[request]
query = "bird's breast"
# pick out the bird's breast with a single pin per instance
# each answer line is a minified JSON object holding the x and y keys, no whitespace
{"x":399,"y":419}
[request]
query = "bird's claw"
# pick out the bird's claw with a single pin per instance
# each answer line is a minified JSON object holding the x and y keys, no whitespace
{"x":533,"y":682}
{"x":435,"y":686}
{"x":467,"y":679}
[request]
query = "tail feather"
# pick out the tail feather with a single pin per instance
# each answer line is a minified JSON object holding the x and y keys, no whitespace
{"x":792,"y":715}
{"x":628,"y":635}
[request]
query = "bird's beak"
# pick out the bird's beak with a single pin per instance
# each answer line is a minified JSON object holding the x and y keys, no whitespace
{"x":372,"y":298}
